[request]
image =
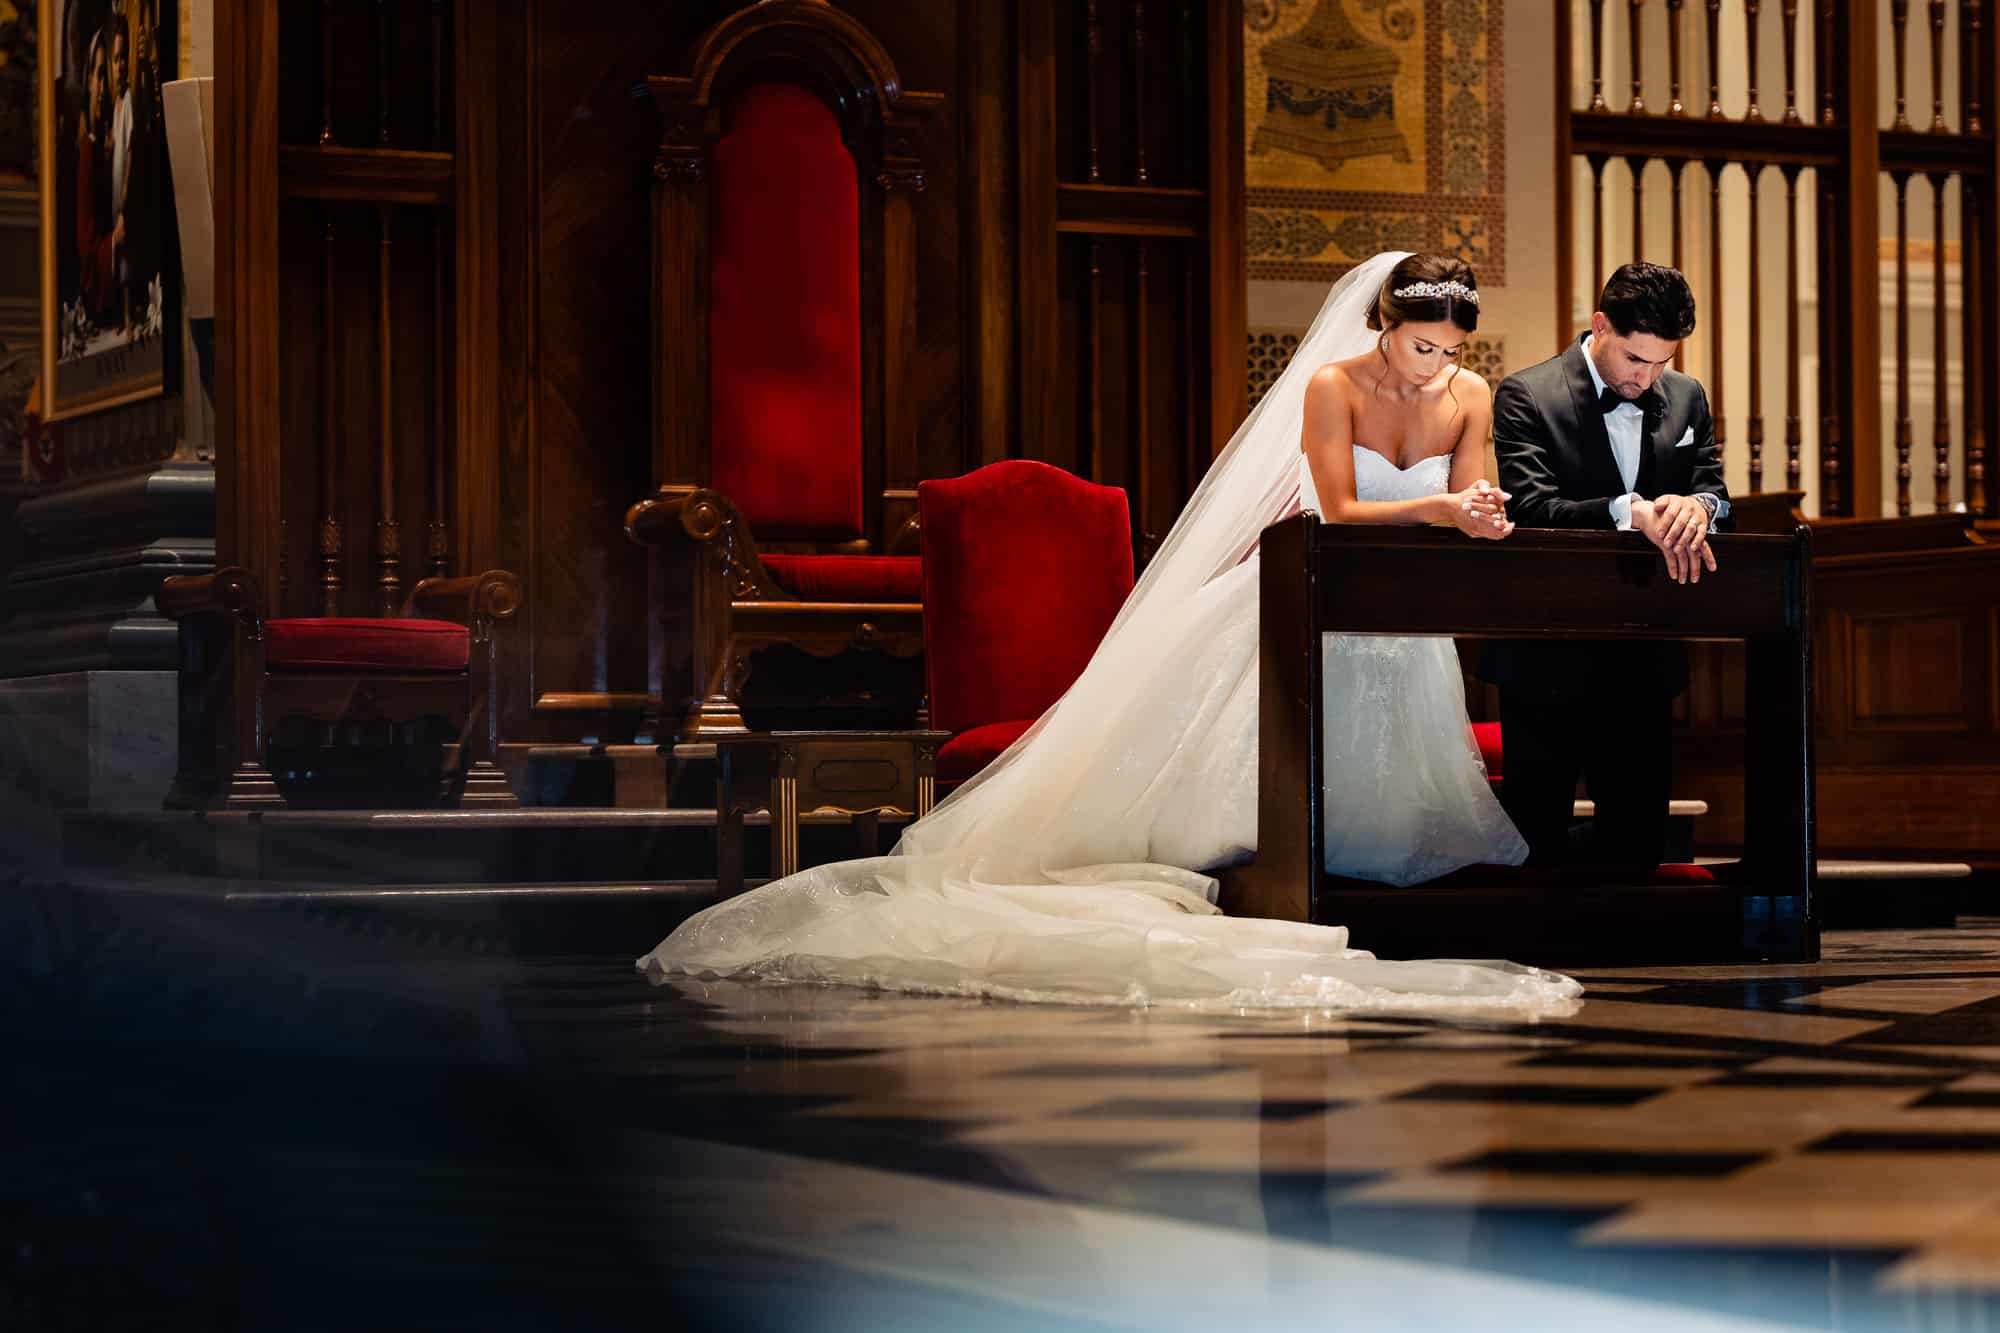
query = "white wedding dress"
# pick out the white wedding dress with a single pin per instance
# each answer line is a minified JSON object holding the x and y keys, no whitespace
{"x":1069,"y":870}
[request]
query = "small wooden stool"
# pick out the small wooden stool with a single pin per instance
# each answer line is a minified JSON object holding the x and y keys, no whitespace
{"x":860,"y":774}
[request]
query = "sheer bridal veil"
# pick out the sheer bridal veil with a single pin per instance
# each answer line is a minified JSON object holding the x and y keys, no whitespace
{"x":1068,"y":871}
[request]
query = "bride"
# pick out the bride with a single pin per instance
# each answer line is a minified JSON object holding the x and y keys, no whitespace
{"x":1069,"y":869}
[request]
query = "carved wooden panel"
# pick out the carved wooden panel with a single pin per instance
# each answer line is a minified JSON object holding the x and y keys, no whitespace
{"x":1909,"y":671}
{"x":1907,"y":664}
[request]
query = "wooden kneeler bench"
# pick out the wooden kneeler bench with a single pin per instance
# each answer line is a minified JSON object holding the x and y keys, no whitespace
{"x":1330,"y":578}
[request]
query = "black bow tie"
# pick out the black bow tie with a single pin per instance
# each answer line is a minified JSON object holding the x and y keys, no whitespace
{"x":1648,"y":402}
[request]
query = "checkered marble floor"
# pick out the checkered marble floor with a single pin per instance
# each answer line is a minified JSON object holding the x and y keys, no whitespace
{"x":1785,"y":1142}
{"x":217,"y":1113}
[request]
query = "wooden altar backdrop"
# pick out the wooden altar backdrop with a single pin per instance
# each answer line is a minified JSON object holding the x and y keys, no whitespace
{"x":1825,"y":173}
{"x":434,"y":300}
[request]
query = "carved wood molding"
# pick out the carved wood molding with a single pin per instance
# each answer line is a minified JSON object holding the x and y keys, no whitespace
{"x":831,"y":53}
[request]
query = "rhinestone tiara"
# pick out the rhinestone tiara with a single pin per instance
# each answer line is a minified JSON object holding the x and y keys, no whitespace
{"x":1454,"y":289}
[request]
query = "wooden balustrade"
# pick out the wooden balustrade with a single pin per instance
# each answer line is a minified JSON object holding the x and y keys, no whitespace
{"x":377,"y":157}
{"x":1830,"y":151}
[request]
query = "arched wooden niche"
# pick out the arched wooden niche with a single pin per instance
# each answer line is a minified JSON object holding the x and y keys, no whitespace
{"x":813,"y":46}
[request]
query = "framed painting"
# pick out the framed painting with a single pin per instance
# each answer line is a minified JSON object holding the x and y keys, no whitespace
{"x":108,"y":277}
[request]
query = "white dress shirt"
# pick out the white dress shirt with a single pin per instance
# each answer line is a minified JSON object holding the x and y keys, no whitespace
{"x":1626,"y":425}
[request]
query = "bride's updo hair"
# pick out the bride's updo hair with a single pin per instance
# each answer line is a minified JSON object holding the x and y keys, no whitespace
{"x":1391,"y":309}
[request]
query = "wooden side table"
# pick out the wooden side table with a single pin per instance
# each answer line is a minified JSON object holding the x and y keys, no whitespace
{"x":859,"y":774}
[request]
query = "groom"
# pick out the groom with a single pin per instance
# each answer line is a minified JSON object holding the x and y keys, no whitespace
{"x":1605,"y":436}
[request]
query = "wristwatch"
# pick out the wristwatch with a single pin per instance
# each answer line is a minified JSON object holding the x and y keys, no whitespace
{"x":1708,"y":502}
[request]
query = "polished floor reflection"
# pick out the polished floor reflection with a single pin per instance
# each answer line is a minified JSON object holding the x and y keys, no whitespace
{"x":297,"y":1115}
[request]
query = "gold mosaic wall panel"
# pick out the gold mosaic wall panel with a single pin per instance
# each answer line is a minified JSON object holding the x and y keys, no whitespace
{"x":1373,"y":125}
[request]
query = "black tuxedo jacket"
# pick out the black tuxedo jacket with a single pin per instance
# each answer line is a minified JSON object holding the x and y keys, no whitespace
{"x":1557,"y":466}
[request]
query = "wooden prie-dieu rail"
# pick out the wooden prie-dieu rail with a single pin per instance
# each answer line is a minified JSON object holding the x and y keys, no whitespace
{"x":1331,"y":578}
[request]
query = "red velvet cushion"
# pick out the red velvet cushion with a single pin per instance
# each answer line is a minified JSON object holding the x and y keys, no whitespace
{"x":348,"y":643}
{"x":969,"y":751}
{"x":1024,"y":568}
{"x":1487,"y":736}
{"x":849,"y":578}
{"x":785,"y":317}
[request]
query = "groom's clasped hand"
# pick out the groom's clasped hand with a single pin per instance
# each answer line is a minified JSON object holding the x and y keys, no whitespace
{"x":1678,"y":525}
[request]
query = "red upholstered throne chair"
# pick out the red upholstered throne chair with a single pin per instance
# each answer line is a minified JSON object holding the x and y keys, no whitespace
{"x":785,"y":454}
{"x":241,"y":676}
{"x":1025,"y":567}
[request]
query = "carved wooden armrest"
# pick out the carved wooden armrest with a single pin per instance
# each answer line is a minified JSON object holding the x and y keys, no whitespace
{"x":909,"y":539}
{"x":711,"y":519}
{"x":474,"y":600}
{"x":230,"y":591}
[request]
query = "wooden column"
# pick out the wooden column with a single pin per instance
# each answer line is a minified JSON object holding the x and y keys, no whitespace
{"x":475,"y":332}
{"x":247,"y":382}
{"x":1860,"y":342}
{"x":1229,"y":269}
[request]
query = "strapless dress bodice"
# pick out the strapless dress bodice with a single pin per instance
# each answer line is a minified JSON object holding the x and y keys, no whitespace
{"x":1376,"y":478}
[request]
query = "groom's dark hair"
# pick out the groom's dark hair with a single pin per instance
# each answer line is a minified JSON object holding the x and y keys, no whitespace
{"x":1649,"y":298}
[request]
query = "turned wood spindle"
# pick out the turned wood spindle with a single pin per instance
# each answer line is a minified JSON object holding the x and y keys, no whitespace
{"x":1903,"y":432}
{"x":1754,"y":432}
{"x":385,"y":46}
{"x":1195,"y":456}
{"x":1191,"y":130}
{"x":1823,"y":63}
{"x":1597,"y":102}
{"x":1829,"y":420}
{"x":329,"y":535}
{"x":1093,"y":44}
{"x":1142,"y":405}
{"x":1715,"y":111}
{"x":325,"y":73}
{"x":1790,"y":14}
{"x":1752,"y":11}
{"x":388,"y":532}
{"x":1093,"y":329}
{"x":1675,"y":107}
{"x":1716,"y":356}
{"x":1634,"y":25}
{"x":1140,"y":175}
{"x":1975,"y":276}
{"x":1794,"y":436}
{"x":1972,"y":24}
{"x":1899,"y":23}
{"x":1597,"y":163}
{"x":1940,"y":348}
{"x":1674,"y":168}
{"x":1937,"y":69}
{"x":440,"y":532}
{"x":1637,"y":165}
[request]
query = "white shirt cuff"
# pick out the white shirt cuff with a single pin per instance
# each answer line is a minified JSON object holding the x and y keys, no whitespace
{"x":1621,"y":511}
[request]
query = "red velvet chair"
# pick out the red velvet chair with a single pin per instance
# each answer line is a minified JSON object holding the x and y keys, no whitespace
{"x":1486,"y":735}
{"x":784,"y":441}
{"x":1025,"y":567}
{"x":242,"y":675}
